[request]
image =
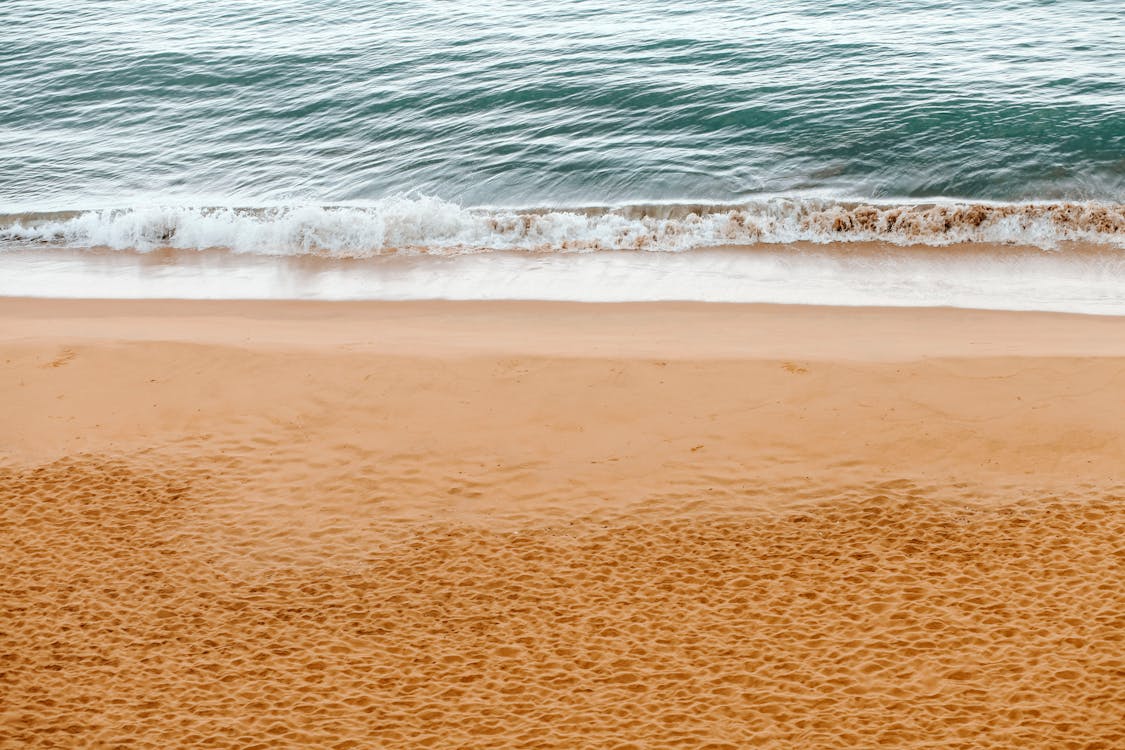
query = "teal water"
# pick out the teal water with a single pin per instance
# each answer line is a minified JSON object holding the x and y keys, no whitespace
{"x":495,"y":150}
{"x":579,"y":103}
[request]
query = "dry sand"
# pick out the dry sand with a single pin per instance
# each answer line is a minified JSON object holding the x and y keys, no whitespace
{"x":547,"y":525}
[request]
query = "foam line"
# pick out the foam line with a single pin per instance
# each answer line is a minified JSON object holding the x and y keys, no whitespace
{"x":431,"y":225}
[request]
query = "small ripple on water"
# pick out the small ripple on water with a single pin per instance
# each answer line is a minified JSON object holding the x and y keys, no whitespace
{"x":587,"y":102}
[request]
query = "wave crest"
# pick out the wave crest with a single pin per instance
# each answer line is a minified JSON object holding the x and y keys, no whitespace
{"x":431,"y":225}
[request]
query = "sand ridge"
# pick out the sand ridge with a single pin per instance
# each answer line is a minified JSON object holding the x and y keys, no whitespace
{"x":288,"y":542}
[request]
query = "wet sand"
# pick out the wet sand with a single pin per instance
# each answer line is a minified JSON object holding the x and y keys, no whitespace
{"x":266,"y":524}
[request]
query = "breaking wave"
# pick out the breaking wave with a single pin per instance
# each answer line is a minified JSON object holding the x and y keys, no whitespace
{"x":423,"y":225}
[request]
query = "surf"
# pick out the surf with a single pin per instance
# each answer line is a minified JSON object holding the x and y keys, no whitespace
{"x":427,"y":225}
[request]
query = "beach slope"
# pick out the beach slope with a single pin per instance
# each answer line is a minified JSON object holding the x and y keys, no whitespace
{"x":266,"y":524}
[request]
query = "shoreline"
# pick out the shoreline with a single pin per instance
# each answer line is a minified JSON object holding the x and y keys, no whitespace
{"x":1076,"y":277}
{"x":469,"y":523}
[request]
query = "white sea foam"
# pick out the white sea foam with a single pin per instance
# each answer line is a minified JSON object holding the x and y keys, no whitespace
{"x":1030,"y":280}
{"x":431,"y":225}
{"x":424,"y":248}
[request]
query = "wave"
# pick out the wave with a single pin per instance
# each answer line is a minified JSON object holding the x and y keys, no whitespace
{"x":421,"y":225}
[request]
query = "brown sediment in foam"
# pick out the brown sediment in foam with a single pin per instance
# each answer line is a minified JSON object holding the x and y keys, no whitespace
{"x":923,"y":222}
{"x":903,"y":223}
{"x":457,"y":524}
{"x":636,"y":227}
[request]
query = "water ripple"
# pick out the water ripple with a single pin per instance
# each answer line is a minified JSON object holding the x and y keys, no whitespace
{"x":586,"y":101}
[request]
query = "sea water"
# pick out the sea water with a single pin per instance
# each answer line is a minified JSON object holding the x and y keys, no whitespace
{"x":496,"y":145}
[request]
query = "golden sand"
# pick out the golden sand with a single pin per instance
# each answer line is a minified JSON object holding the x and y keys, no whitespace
{"x":532,"y":525}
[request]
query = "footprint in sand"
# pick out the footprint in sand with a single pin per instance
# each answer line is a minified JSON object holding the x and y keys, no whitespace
{"x":62,"y":359}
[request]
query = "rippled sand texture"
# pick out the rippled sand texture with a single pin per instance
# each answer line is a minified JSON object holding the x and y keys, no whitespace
{"x":882,"y":616}
{"x":266,"y":545}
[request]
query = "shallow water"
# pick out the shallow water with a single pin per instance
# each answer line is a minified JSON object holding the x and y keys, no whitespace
{"x":361,"y":129}
{"x":1079,"y":280}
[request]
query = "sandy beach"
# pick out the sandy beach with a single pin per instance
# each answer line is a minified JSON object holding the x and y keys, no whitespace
{"x":269,"y":524}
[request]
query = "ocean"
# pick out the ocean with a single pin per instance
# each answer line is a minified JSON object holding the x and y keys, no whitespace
{"x":915,"y":153}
